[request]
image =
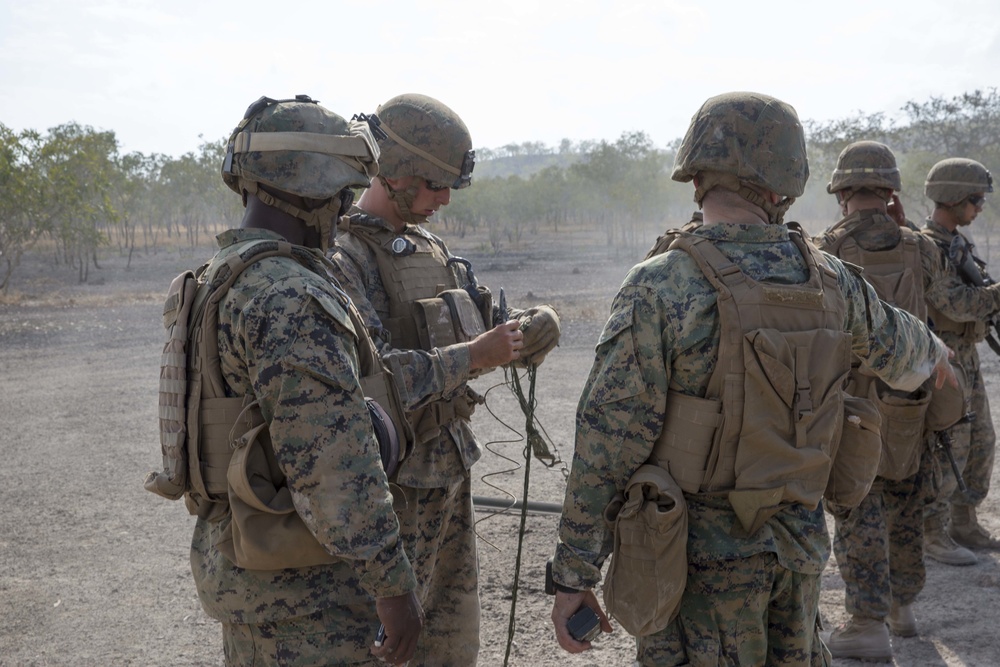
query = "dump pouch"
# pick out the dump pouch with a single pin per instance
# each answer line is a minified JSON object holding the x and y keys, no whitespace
{"x":903,"y":416}
{"x":648,"y":571}
{"x":265,"y":533}
{"x":856,"y":459}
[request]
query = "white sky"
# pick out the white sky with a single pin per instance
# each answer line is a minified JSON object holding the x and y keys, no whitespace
{"x":162,"y":74}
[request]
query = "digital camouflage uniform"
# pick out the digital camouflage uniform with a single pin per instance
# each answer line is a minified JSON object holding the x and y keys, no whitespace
{"x":879,"y":544}
{"x":285,"y":339}
{"x":437,"y":519}
{"x":974,"y":442}
{"x":748,"y":601}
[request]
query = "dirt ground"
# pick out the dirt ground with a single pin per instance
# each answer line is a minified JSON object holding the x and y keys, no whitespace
{"x":94,"y":570}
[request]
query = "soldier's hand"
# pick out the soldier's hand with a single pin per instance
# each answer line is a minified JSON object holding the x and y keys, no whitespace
{"x":943,"y":372}
{"x":496,"y":347}
{"x":541,"y":328}
{"x":895,"y":210}
{"x":403,"y":618}
{"x":566,"y":605}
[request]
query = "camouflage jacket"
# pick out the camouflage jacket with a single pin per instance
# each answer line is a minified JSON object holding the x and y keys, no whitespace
{"x":282,"y":342}
{"x":953,"y":297}
{"x":672,"y":343}
{"x":421,"y":376}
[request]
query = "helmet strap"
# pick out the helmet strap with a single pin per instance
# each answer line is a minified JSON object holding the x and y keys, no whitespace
{"x":404,"y":199}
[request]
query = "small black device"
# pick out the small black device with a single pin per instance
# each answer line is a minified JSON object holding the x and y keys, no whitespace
{"x":584,"y":625}
{"x":380,"y":636}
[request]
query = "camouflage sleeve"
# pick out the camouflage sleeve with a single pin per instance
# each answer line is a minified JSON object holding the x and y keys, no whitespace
{"x":420,"y":376}
{"x":895,"y":345}
{"x":960,"y":302}
{"x":619,"y":417}
{"x":303,"y":369}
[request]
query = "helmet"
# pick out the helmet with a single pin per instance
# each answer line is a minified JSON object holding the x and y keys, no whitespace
{"x":756,"y":138}
{"x":419,"y":136}
{"x":865,"y":164}
{"x":298,"y":147}
{"x":954,"y":179}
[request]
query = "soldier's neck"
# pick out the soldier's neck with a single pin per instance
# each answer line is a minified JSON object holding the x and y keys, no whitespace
{"x":722,"y":206}
{"x":375,"y":201}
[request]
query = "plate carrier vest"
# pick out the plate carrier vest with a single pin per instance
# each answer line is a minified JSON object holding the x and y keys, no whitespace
{"x":771,"y":420}
{"x":427,"y":309}
{"x":897,"y":275}
{"x":216,"y":448}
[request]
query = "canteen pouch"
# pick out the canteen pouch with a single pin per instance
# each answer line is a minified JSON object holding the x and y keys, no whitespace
{"x":902,"y":429}
{"x":856,"y":460}
{"x":648,"y":570}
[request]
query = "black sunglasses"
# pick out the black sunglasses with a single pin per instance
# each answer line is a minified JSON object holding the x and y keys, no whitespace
{"x":975,"y":200}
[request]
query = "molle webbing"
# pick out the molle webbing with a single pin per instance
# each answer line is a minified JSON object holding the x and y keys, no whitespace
{"x":406,"y":278}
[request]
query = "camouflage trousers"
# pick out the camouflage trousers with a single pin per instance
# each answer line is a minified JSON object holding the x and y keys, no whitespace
{"x":744,"y":612}
{"x":973,"y":445}
{"x":879,"y":545}
{"x":315,"y":640}
{"x":436,"y":528}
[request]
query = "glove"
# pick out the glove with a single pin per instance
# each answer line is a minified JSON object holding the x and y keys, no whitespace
{"x":540,"y":326}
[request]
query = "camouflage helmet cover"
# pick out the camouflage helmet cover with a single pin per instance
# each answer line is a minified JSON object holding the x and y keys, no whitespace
{"x":952,"y":180}
{"x":299,"y":147}
{"x":425,"y":138}
{"x":865,"y":164}
{"x":754,"y":137}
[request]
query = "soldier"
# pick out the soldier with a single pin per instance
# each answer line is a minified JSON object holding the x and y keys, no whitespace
{"x":311,"y":585}
{"x":405,"y":282}
{"x":879,"y":544}
{"x":958,"y":188}
{"x":722,"y":363}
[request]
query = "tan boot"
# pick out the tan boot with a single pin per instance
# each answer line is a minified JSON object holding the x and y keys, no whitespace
{"x":860,"y":638}
{"x":902,"y":622}
{"x":967,"y":532}
{"x":939,"y":545}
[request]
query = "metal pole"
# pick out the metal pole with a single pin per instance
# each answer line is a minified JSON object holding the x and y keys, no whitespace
{"x":500,"y":504}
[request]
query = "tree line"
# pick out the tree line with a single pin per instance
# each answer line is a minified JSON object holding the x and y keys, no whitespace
{"x":72,"y":186}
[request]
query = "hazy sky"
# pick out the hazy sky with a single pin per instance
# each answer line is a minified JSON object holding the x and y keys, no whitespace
{"x":163,"y":74}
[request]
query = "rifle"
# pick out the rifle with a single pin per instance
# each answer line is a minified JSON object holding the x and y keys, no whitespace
{"x":973,"y":271}
{"x":946,"y":443}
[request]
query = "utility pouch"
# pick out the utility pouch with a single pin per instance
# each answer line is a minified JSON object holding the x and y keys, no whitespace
{"x":688,"y":433}
{"x":648,"y":571}
{"x":856,"y":460}
{"x":903,"y":417}
{"x":792,"y":414}
{"x":265,"y":533}
{"x":450,"y":317}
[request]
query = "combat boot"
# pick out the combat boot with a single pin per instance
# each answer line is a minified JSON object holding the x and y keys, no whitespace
{"x":967,"y":532}
{"x":939,"y":545}
{"x":860,"y":638}
{"x":902,"y":622}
